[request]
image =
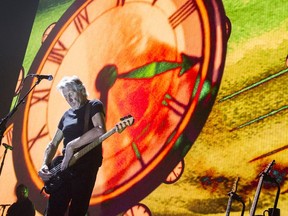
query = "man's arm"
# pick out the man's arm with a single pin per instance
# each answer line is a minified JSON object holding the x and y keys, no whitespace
{"x":99,"y":129}
{"x":52,"y":147}
{"x":49,"y":154}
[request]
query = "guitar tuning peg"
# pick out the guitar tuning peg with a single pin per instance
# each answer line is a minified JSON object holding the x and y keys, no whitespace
{"x":123,"y":118}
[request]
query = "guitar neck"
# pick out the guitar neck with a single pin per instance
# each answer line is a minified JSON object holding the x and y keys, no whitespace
{"x":259,"y":187}
{"x":229,"y":205}
{"x":234,"y":189}
{"x":92,"y":145}
{"x":256,"y":197}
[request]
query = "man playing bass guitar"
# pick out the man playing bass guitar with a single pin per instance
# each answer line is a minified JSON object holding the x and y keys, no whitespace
{"x":83,"y":123}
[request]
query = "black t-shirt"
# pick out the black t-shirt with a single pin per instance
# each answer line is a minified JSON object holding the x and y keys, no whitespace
{"x":72,"y":126}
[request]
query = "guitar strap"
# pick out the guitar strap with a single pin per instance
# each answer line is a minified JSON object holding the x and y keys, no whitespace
{"x":86,"y":118}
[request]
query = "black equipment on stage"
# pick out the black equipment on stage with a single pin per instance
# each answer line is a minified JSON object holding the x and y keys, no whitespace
{"x":5,"y":120}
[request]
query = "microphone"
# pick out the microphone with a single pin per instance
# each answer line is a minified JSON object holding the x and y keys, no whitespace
{"x":7,"y":146}
{"x":48,"y":77}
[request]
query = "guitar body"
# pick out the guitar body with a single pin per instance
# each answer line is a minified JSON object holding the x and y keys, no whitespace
{"x":59,"y":177}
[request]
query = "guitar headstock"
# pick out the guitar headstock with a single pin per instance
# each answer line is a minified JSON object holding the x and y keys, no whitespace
{"x":124,"y":122}
{"x":235,"y":185}
{"x":269,"y":166}
{"x":267,"y":169}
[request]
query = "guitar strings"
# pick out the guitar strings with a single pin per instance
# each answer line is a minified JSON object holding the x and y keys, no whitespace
{"x":56,"y":169}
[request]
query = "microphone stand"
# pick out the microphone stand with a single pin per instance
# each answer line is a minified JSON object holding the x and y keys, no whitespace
{"x":5,"y":152}
{"x":233,"y":195}
{"x":4,"y":120}
{"x":273,"y":180}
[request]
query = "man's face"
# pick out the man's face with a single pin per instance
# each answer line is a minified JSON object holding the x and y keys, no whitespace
{"x":73,"y":98}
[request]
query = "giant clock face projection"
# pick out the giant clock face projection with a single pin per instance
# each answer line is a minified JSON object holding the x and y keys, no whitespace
{"x":159,"y":60}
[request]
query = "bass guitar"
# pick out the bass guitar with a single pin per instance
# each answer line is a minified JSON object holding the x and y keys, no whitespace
{"x":59,"y":177}
{"x":259,"y":187}
{"x":231,"y":194}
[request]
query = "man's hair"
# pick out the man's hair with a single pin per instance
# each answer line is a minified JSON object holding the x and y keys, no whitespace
{"x":73,"y":82}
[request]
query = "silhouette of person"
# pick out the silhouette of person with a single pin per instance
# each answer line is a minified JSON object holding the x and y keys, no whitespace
{"x":23,"y":206}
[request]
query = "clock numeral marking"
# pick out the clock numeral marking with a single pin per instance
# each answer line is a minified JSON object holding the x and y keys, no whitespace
{"x":173,"y":175}
{"x":154,"y":2}
{"x":120,"y":3}
{"x":9,"y":134}
{"x":173,"y":104}
{"x":182,"y":13}
{"x":40,"y":95}
{"x":58,"y":52}
{"x":176,"y":173}
{"x":42,"y":133}
{"x":81,"y":21}
{"x":138,"y":154}
{"x":139,"y":209}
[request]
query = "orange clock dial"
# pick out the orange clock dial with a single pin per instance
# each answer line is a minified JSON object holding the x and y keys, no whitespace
{"x":20,"y":81}
{"x":159,"y":60}
{"x":176,"y":173}
{"x":47,"y":32}
{"x":138,"y":210}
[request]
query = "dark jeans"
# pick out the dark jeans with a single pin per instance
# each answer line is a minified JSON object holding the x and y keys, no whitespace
{"x":77,"y":192}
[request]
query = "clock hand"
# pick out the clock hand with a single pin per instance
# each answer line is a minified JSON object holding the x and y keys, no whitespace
{"x":188,"y":62}
{"x":105,"y":80}
{"x":156,"y":68}
{"x":106,"y":77}
{"x":108,"y":74}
